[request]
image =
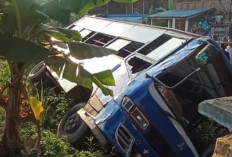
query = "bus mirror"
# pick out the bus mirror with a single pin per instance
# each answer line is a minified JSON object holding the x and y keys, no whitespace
{"x":207,"y":55}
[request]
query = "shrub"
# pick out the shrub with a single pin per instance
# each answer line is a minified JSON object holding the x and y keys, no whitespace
{"x":2,"y":120}
{"x":4,"y":73}
{"x":55,"y":106}
{"x":52,"y":146}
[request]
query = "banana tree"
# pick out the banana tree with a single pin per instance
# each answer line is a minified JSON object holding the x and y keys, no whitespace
{"x":25,"y":39}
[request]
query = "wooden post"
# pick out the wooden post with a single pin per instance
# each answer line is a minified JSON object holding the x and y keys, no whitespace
{"x":186,"y":25}
{"x":152,"y":22}
{"x":169,"y":23}
{"x":174,"y":23}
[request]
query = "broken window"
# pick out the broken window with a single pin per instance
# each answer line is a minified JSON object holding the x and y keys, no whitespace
{"x":100,"y":39}
{"x":161,"y":47}
{"x":154,"y":44}
{"x":86,"y":34}
{"x":118,"y":44}
{"x":137,"y":64}
{"x":130,"y":48}
{"x":183,"y":100}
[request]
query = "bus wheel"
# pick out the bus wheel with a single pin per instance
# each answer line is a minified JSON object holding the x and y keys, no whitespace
{"x":72,"y":128}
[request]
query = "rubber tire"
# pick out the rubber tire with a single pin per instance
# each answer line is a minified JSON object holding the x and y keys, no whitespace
{"x":209,"y":151}
{"x":75,"y":138}
{"x":42,"y":73}
{"x":39,"y":71}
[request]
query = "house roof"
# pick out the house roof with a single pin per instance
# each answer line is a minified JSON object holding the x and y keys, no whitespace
{"x":179,"y":13}
{"x":137,"y":18}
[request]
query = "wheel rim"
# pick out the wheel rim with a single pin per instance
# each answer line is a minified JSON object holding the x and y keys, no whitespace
{"x":72,"y":123}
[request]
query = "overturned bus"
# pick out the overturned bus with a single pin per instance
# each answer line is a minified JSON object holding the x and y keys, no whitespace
{"x":161,"y":76}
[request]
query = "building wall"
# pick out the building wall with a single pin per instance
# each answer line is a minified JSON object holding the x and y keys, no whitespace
{"x":195,"y":4}
{"x":141,"y":7}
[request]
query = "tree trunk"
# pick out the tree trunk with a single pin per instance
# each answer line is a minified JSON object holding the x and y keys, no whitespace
{"x":11,"y":134}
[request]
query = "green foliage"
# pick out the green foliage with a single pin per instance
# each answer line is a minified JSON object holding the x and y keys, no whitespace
{"x":51,"y":8}
{"x":125,"y":1}
{"x":28,"y":131}
{"x":85,"y":51}
{"x":25,"y":39}
{"x":105,"y":77}
{"x":4,"y":73}
{"x":27,"y":46}
{"x":70,"y":71}
{"x":82,"y":7}
{"x":19,"y":15}
{"x":54,"y":109}
{"x":152,"y":10}
{"x":67,"y":35}
{"x":52,"y":146}
{"x":170,"y":5}
{"x":20,"y":50}
{"x":207,"y":132}
{"x":2,"y":120}
{"x":73,"y":17}
{"x":105,"y":90}
{"x":85,"y":79}
{"x":91,"y":143}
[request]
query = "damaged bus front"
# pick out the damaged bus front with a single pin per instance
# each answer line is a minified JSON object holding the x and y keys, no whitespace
{"x":160,"y":80}
{"x":157,"y":113}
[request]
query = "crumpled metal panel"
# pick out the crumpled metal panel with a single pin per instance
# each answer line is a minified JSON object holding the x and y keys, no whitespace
{"x":107,"y":112}
{"x":175,"y":58}
{"x":122,"y":79}
{"x":119,"y":71}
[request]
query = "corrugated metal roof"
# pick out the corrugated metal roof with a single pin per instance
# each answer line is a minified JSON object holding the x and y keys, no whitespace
{"x":125,"y":15}
{"x":179,"y":13}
